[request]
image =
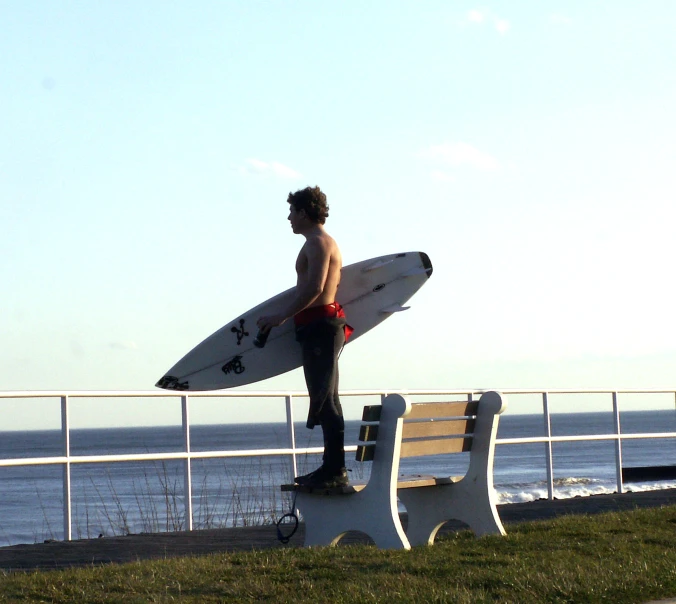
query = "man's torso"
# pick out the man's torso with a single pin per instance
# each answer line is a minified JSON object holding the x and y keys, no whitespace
{"x":328,"y":250}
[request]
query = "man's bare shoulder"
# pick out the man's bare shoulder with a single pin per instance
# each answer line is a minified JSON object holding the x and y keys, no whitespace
{"x":321,"y":244}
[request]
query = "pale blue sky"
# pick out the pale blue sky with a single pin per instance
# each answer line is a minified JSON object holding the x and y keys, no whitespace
{"x":147,"y":149}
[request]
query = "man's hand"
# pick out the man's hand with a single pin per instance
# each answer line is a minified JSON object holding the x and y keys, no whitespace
{"x":267,"y":322}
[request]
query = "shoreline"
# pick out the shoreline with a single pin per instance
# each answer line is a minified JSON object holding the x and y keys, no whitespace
{"x":131,"y":548}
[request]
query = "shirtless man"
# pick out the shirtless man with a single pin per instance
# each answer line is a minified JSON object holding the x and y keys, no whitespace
{"x":321,"y":329}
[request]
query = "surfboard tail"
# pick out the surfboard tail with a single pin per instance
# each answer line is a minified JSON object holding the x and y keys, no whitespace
{"x":169,"y":382}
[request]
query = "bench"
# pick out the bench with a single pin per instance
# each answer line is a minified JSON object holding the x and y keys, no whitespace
{"x":399,"y":428}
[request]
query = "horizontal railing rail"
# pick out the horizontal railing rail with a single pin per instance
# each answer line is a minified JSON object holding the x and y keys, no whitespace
{"x":187,"y":454}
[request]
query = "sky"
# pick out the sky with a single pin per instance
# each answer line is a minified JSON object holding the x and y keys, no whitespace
{"x":147,"y":150}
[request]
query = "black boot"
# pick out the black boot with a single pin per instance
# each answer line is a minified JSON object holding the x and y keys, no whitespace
{"x":306,"y":478}
{"x":324,"y":478}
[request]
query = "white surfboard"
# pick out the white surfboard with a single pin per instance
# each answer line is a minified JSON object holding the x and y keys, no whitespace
{"x":370,"y":291}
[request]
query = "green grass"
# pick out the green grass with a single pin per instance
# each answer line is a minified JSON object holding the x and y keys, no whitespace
{"x":617,"y":557}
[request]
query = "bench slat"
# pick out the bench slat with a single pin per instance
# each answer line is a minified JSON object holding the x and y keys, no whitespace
{"x":371,"y":413}
{"x":413,"y":448}
{"x":437,"y":446}
{"x":365,"y":452}
{"x":437,"y":428}
{"x":350,"y":488}
{"x":368,"y":433}
{"x":411,"y":482}
{"x":404,"y":482}
{"x":422,"y":410}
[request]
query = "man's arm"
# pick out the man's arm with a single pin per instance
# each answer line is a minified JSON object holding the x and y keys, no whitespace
{"x":318,"y":255}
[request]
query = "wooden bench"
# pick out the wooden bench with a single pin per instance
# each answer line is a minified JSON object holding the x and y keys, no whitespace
{"x":399,"y":428}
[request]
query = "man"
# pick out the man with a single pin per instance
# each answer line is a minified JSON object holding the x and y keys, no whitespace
{"x":321,"y":329}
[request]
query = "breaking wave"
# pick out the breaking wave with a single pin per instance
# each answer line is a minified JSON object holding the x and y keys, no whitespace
{"x":567,"y":488}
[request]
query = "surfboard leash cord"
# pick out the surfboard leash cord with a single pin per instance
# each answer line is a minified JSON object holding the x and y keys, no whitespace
{"x":292,"y":514}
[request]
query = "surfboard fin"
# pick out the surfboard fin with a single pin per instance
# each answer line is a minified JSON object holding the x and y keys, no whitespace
{"x":393,"y":308}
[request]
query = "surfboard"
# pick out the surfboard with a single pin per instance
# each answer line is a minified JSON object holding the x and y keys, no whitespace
{"x":370,"y":291}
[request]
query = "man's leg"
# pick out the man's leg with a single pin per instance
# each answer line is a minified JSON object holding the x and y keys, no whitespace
{"x":334,"y":443}
{"x":333,"y":427}
{"x":321,"y":348}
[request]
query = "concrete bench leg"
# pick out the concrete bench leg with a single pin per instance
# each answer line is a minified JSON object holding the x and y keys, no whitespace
{"x":430,"y":507}
{"x":328,"y":517}
{"x":472,"y":499}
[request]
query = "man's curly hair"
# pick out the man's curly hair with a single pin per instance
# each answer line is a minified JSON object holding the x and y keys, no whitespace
{"x":313,"y":201}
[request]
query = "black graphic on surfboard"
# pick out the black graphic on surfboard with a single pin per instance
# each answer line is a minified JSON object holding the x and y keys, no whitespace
{"x":234,"y":365}
{"x":239,"y":331}
{"x":169,"y":382}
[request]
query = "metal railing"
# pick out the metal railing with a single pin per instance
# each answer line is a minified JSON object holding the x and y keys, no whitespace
{"x":67,"y":460}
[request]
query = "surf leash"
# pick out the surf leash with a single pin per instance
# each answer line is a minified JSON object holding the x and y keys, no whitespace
{"x":292,"y":514}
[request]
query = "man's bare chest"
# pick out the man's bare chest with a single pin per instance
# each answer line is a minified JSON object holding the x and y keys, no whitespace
{"x":301,"y":265}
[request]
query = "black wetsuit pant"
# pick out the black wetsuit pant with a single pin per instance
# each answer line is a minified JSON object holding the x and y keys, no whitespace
{"x":322,"y":342}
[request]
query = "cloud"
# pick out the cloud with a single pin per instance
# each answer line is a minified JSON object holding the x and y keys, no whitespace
{"x":476,"y":16}
{"x":459,"y":154}
{"x":275,"y":169}
{"x":481,"y":16}
{"x":502,"y":25}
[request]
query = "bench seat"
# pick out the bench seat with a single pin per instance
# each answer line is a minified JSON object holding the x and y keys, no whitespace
{"x":403,"y":482}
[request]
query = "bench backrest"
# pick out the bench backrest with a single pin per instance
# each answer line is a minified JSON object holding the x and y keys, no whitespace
{"x":428,"y":429}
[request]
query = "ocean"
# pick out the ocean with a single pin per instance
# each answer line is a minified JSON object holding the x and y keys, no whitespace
{"x":134,"y":497}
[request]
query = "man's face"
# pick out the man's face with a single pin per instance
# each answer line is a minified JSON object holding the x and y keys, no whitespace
{"x":297,"y":219}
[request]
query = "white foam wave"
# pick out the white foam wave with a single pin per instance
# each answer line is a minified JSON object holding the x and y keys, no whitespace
{"x":572,"y":481}
{"x":649,"y":486}
{"x":567,"y":488}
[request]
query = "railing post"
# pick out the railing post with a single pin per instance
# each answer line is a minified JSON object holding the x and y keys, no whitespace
{"x":618,"y":445}
{"x":548,"y":446}
{"x":65,"y":440}
{"x":187,"y":470}
{"x":291,"y":430}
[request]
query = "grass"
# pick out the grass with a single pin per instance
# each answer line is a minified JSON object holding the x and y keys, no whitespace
{"x":243,"y":494}
{"x":617,"y":557}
